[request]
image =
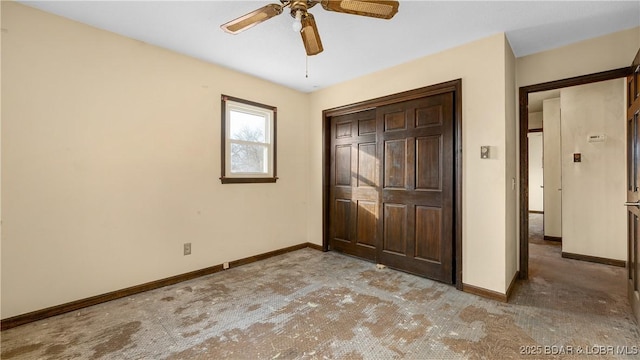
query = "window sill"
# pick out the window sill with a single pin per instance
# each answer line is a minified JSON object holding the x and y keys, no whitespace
{"x":247,"y":180}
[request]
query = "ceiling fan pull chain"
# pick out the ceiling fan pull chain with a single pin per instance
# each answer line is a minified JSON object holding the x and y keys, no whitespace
{"x":306,"y":74}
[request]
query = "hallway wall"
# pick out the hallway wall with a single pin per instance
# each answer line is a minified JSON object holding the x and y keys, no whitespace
{"x":594,"y":222}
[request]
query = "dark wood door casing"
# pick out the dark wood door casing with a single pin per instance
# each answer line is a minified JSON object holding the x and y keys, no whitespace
{"x":376,"y":153}
{"x":633,"y":183}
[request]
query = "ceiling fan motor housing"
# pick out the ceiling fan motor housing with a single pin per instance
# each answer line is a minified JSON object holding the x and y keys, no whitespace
{"x":299,"y":5}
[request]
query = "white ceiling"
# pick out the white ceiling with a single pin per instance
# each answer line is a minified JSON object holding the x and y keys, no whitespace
{"x":353,"y":45}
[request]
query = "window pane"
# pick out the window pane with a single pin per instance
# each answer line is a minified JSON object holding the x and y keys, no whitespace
{"x":249,"y":158}
{"x":247,"y":127}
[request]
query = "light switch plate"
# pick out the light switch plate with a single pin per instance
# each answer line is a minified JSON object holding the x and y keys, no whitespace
{"x":484,"y":152}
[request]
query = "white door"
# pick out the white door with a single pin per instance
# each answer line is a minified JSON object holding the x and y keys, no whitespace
{"x":552,"y":169}
{"x":536,"y":180}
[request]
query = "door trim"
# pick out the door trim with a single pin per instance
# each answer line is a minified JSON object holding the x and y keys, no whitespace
{"x":454,"y":86}
{"x":524,"y":92}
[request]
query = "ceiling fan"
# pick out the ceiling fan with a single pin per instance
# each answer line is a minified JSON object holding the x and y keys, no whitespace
{"x":304,"y":22}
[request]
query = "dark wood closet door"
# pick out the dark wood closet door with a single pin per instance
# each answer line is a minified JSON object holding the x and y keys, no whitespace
{"x":354,"y":184}
{"x":415,"y":149}
{"x":391,"y":185}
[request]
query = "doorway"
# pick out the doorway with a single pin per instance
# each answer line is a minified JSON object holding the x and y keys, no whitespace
{"x":524,"y":151}
{"x":393,"y":180}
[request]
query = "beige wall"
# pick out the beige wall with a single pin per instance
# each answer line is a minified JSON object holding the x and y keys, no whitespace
{"x":481,"y":65}
{"x":111,"y":160}
{"x":535,"y":120}
{"x":603,"y":53}
{"x":594,"y":222}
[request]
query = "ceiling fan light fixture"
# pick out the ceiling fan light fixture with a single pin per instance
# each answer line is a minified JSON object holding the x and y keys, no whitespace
{"x":310,"y":36}
{"x":373,"y":8}
{"x":297,"y":23}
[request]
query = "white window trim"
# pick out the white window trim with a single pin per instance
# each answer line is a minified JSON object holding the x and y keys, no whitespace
{"x":230,"y":104}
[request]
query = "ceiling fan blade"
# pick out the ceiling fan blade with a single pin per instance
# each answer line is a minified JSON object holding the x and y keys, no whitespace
{"x":310,"y":36}
{"x":252,"y":19}
{"x":372,"y":8}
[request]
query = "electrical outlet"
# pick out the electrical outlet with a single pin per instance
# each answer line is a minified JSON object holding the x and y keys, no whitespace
{"x":225,"y":266}
{"x":187,"y":248}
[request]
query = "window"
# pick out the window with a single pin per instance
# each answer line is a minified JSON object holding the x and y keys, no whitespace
{"x":248,"y":142}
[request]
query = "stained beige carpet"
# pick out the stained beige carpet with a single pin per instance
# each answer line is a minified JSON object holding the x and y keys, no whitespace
{"x":313,"y":305}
